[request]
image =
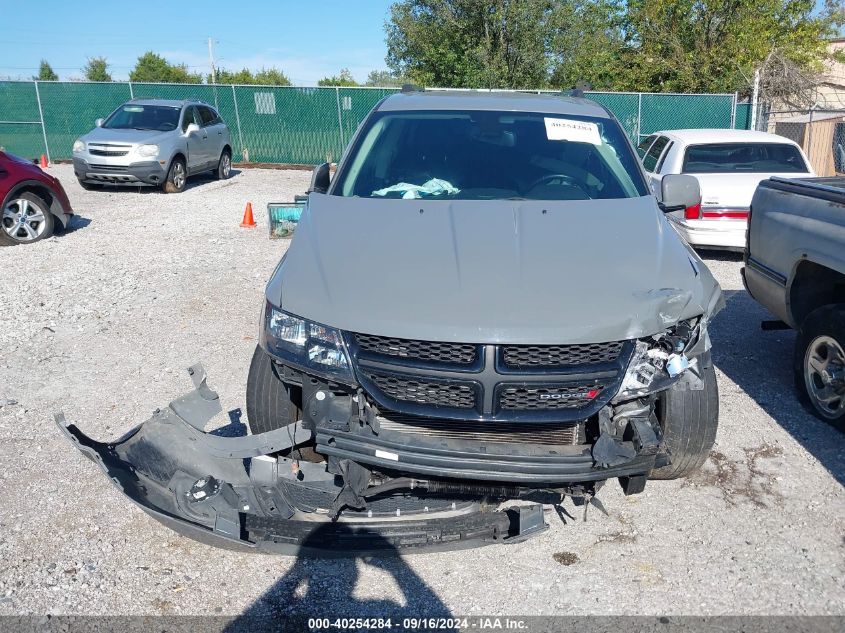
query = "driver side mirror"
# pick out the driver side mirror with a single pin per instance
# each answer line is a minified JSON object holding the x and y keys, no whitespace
{"x":679,"y":191}
{"x":98,"y":123}
{"x":192,"y":128}
{"x":320,"y":179}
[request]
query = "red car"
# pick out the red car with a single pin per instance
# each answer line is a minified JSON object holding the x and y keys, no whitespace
{"x":34,"y":203}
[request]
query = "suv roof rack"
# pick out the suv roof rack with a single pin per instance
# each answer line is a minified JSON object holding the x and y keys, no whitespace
{"x":186,"y":100}
{"x":406,"y":88}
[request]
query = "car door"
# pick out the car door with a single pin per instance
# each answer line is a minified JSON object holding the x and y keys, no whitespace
{"x":197,"y":141}
{"x":212,"y":124}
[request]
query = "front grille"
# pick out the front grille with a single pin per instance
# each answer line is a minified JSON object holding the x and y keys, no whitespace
{"x":430,"y":351}
{"x":495,"y":432}
{"x":107,"y":152}
{"x":523,"y":384}
{"x":459,"y":395}
{"x":552,"y":398}
{"x":533,"y":356}
{"x":116,"y":169}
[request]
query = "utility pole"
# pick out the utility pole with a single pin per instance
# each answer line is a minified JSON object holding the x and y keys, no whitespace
{"x":211,"y":60}
{"x":755,"y":97}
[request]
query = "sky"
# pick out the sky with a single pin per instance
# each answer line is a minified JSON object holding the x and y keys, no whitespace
{"x":308,"y":40}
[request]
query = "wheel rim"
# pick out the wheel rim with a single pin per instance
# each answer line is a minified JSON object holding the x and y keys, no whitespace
{"x":226,"y":165}
{"x":179,"y":175}
{"x":824,"y":376}
{"x":23,"y":220}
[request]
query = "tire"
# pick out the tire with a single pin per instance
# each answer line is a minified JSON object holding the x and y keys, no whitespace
{"x":689,"y":419}
{"x":38,"y":225}
{"x":268,"y":401}
{"x":821,"y":338}
{"x":177,"y":177}
{"x":224,"y":165}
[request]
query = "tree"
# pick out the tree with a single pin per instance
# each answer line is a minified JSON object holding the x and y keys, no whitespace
{"x":345,"y":78}
{"x":638,"y":45}
{"x":97,"y":69}
{"x":586,"y":43}
{"x":384,"y":79}
{"x":154,"y":68}
{"x":470,"y":43}
{"x":271,"y":77}
{"x":225,"y":77}
{"x":46,"y":72}
{"x":265,"y":77}
{"x":715,"y":45}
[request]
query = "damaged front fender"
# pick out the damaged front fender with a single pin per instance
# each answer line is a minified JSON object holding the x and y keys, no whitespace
{"x":239,"y":493}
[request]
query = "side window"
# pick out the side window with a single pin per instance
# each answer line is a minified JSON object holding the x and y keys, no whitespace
{"x":208,"y":116}
{"x":642,"y":148}
{"x":189,"y":116}
{"x":650,"y":159}
{"x":659,"y":168}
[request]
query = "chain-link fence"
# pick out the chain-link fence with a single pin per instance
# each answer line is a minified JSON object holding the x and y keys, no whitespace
{"x":820,"y":133}
{"x":290,"y":125}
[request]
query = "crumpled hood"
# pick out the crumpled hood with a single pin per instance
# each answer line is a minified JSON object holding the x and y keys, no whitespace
{"x":491,"y":271}
{"x":102,"y":135}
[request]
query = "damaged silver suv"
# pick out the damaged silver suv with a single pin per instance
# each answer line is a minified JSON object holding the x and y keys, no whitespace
{"x":484,"y":312}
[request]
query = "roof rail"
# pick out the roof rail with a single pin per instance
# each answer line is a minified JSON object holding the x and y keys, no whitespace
{"x":406,"y":88}
{"x":577,"y":90}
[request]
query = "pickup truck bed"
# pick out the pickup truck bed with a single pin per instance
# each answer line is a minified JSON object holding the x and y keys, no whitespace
{"x":795,"y":267}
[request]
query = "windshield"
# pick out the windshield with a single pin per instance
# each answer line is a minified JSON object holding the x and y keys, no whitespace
{"x":482,"y":155}
{"x":143,"y":117}
{"x":744,"y":157}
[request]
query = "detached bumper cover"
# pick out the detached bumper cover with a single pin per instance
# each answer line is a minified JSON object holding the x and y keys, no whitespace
{"x":230,"y":492}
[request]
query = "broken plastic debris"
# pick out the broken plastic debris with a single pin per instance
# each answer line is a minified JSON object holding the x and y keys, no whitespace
{"x":433,"y":187}
{"x":677,"y":364}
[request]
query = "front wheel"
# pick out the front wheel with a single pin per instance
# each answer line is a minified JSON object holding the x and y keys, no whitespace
{"x":224,"y":165}
{"x":820,"y":363}
{"x":689,"y":420}
{"x":26,"y":218}
{"x":177,"y":177}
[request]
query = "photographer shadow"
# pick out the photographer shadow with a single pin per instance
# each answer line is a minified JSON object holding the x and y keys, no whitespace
{"x":322,"y":582}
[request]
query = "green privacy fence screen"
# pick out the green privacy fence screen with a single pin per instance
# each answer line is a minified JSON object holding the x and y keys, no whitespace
{"x":286,"y":124}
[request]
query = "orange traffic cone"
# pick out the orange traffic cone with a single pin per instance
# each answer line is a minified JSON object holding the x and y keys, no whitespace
{"x":248,"y":221}
{"x":43,"y":161}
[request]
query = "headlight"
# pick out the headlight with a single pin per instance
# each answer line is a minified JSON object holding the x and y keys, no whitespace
{"x":78,"y":146}
{"x":306,"y":344}
{"x":659,"y":360}
{"x":148,"y":150}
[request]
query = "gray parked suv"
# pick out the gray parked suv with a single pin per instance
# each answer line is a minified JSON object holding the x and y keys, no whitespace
{"x":485,"y":311}
{"x":154,"y":142}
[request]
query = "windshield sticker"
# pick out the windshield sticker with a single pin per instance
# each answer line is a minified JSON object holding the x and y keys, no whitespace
{"x":571,"y":130}
{"x":133,"y":108}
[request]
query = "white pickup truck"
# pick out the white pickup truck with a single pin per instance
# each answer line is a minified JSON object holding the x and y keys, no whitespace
{"x":795,"y":267}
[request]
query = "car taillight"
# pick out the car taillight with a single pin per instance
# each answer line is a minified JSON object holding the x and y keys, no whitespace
{"x":693,"y":212}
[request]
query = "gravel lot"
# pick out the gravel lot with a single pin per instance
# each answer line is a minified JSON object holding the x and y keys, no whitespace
{"x":102,"y":321}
